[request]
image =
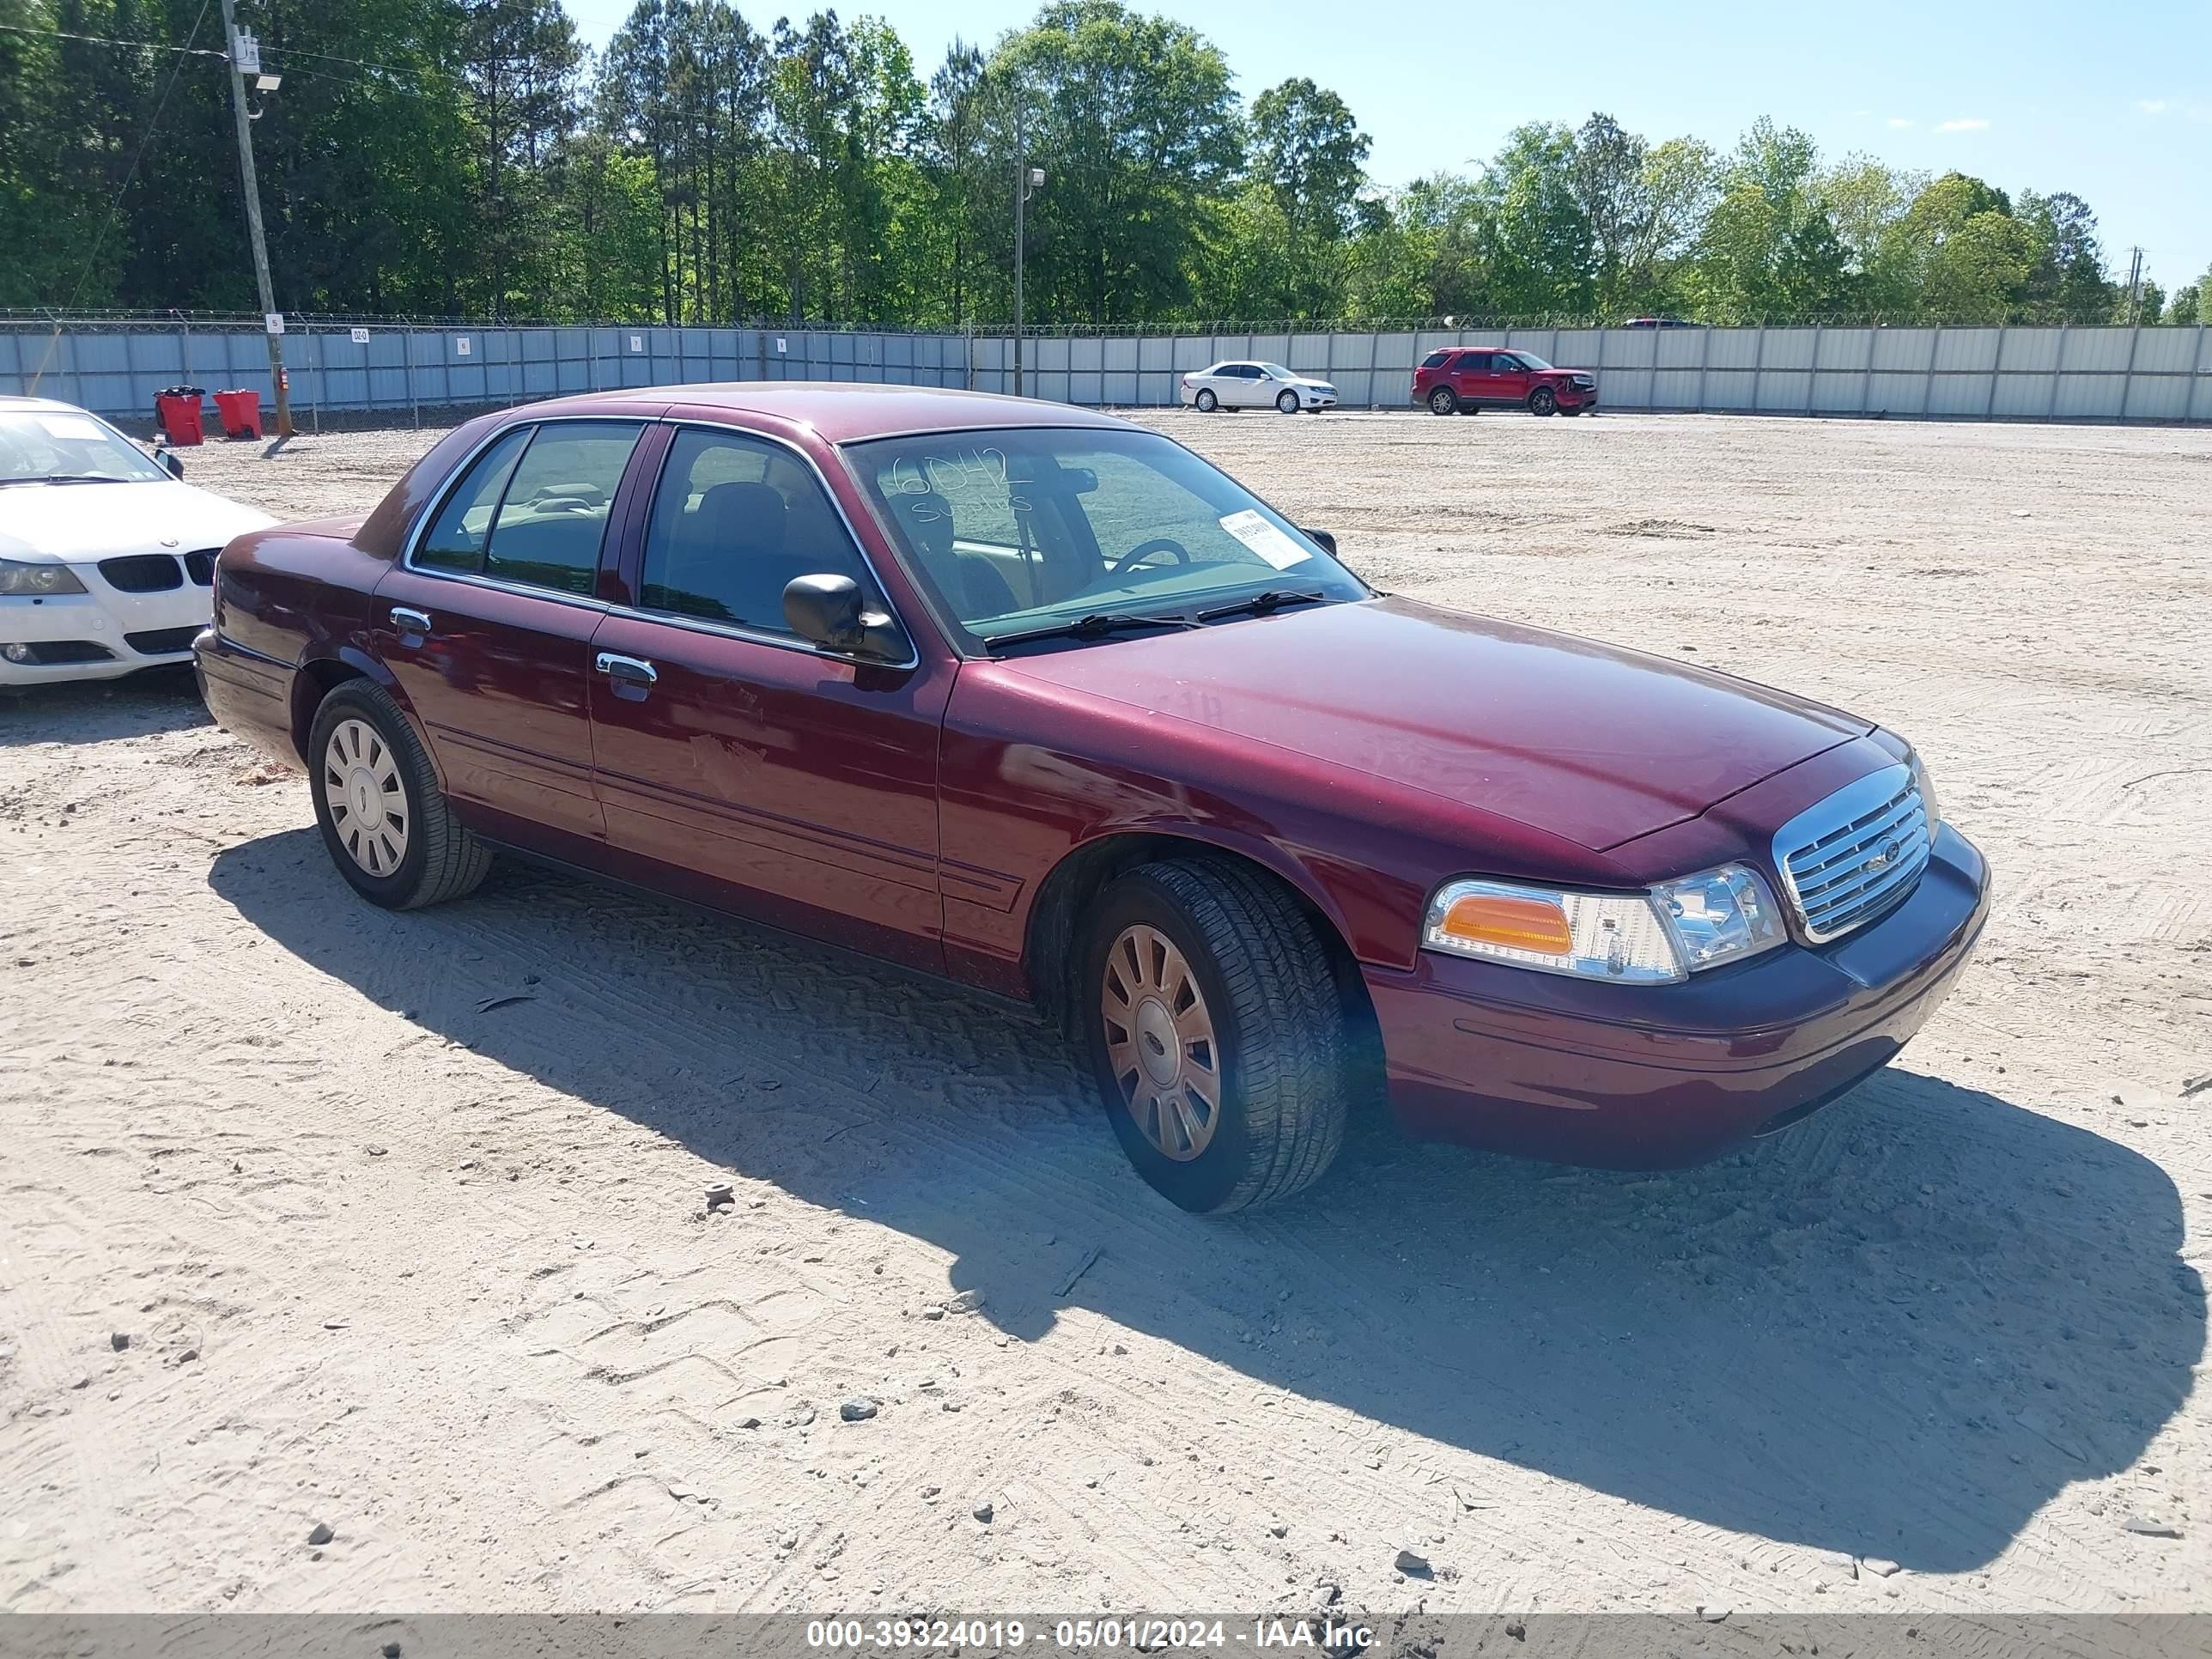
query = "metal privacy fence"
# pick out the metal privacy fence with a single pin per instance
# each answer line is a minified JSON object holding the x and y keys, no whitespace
{"x":2162,"y":375}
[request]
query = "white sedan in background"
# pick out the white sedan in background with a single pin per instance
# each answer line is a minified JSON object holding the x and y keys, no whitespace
{"x":106,"y":560}
{"x":1255,"y":385}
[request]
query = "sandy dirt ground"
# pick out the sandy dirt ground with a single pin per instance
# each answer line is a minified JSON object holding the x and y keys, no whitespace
{"x":300,"y":1228}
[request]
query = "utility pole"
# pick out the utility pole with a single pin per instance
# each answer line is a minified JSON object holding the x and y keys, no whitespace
{"x":2134,"y":285}
{"x":1026,"y":180}
{"x":246,"y":59}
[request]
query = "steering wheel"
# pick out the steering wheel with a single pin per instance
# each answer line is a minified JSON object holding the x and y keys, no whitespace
{"x":1145,"y":550}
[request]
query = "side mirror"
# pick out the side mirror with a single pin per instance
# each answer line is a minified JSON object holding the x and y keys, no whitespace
{"x":826,"y":610}
{"x":1327,"y":540}
{"x":170,"y":464}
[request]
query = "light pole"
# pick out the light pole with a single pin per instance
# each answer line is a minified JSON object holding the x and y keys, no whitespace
{"x":1026,"y":180}
{"x":245,"y":60}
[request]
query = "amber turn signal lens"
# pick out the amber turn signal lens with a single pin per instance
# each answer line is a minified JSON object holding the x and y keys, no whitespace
{"x":1518,"y":924}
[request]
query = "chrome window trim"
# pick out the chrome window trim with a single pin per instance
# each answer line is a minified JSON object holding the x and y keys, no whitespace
{"x":695,"y":624}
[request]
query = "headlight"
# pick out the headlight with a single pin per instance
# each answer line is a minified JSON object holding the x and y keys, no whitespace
{"x":1596,"y":935}
{"x":1718,"y":916}
{"x":33,"y":582}
{"x":1678,"y":927}
{"x":1927,"y":788}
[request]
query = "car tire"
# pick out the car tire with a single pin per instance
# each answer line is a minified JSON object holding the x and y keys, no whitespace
{"x":1276,"y":1050}
{"x":1543,"y":401}
{"x":361,"y":747}
{"x":1287,"y":402}
{"x":1206,"y":402}
{"x":1443,"y":401}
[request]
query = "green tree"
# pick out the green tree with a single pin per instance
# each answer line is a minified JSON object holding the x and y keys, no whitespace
{"x":1134,"y":121}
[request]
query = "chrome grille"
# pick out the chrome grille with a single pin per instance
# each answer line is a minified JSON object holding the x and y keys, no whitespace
{"x":1846,"y":859}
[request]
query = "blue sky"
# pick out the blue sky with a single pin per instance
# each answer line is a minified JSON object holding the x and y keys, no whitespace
{"x":2114,"y":104}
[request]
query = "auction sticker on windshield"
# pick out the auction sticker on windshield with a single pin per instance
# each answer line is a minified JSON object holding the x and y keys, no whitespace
{"x":1252,"y":528}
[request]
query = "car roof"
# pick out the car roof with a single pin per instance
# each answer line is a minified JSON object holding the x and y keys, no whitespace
{"x":10,"y":401}
{"x":840,"y":411}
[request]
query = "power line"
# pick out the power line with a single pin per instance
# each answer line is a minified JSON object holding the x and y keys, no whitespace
{"x":111,"y":41}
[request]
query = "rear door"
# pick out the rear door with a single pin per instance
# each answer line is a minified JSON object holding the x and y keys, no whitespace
{"x":1241,"y":382}
{"x":487,"y":623}
{"x":1470,"y":376}
{"x":756,"y":771}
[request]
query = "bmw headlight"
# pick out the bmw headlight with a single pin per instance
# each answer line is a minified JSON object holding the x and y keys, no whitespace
{"x":35,"y":582}
{"x":1657,"y":937}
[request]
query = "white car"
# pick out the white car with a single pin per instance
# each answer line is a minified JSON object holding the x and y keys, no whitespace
{"x":1255,"y":385}
{"x":106,"y":560}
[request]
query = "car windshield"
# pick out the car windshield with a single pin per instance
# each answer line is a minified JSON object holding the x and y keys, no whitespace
{"x":1027,"y":528}
{"x":1531,"y":359}
{"x":1277,"y":372}
{"x":37,"y":444}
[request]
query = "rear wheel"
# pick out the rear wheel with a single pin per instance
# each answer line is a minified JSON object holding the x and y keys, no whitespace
{"x":377,"y":802}
{"x":1287,"y":402}
{"x":1443,"y":401}
{"x":1220,"y":1044}
{"x":1208,"y":403}
{"x":1543,"y":401}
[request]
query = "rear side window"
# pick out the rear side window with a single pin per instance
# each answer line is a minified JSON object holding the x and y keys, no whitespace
{"x":1435,"y":360}
{"x":554,"y":514}
{"x":456,"y":538}
{"x":1473,"y":363}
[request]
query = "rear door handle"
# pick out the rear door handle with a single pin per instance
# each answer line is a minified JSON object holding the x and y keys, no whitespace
{"x":408,"y":620}
{"x":632,"y":676}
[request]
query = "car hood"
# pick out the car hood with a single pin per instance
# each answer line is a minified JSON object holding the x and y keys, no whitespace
{"x":75,"y":523}
{"x":1590,"y":741}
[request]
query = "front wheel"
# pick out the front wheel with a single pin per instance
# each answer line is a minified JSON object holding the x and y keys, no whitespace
{"x":384,"y":820}
{"x":1208,"y":403}
{"x":1217,"y":1035}
{"x":1443,"y":401}
{"x":1287,"y":402}
{"x":1543,"y":401}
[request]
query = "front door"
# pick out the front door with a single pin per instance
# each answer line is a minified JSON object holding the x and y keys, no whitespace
{"x":757,"y":772}
{"x":487,"y":624}
{"x":1508,"y":380}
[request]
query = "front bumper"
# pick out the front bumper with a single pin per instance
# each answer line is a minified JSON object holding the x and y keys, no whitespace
{"x":101,"y":633}
{"x":1628,"y":1076}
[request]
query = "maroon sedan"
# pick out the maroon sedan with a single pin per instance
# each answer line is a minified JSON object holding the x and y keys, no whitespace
{"x":1042,"y":702}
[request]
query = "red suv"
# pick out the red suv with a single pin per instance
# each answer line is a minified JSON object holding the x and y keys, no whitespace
{"x":1459,"y":380}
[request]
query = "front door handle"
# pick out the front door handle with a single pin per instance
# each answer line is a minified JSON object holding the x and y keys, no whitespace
{"x":408,"y":620}
{"x":632,"y":677}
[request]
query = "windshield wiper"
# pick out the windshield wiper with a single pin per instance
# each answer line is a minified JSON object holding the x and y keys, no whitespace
{"x":1096,"y":626}
{"x":1272,"y":599}
{"x":65,"y":477}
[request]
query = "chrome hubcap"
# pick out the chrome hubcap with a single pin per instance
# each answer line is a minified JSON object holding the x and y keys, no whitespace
{"x":368,"y":802}
{"x":1160,"y":1043}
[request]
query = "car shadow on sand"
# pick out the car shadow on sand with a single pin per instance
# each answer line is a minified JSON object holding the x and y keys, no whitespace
{"x":1898,"y":1330}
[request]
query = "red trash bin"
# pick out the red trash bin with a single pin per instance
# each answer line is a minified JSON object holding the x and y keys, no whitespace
{"x":240,"y":413}
{"x":176,"y":412}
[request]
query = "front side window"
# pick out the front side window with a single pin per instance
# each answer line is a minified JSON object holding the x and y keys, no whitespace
{"x":1009,"y":531}
{"x":1529,"y":360}
{"x":735,"y":520}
